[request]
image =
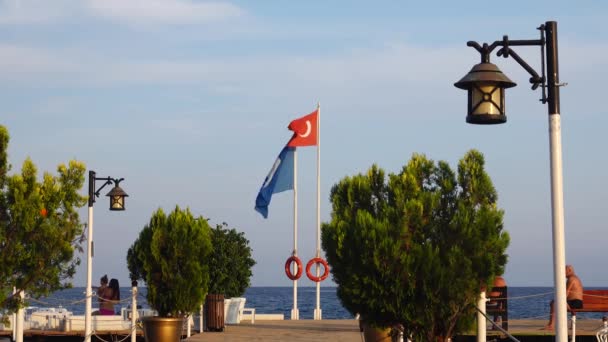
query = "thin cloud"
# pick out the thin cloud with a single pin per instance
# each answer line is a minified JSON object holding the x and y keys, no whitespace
{"x":16,"y":12}
{"x":21,"y":61}
{"x":163,"y":11}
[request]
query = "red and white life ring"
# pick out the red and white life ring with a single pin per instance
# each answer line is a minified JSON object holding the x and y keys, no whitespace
{"x":298,"y":262}
{"x":317,"y":261}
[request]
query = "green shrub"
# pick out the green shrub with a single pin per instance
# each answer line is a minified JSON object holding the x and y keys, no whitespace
{"x":171,"y":255}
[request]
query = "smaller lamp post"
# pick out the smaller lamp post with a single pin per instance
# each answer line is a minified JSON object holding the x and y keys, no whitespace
{"x":485,"y":85}
{"x":117,"y":203}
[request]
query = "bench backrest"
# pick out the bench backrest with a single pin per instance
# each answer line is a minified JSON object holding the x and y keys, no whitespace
{"x":497,"y":292}
{"x":497,"y":299}
{"x":595,"y":299}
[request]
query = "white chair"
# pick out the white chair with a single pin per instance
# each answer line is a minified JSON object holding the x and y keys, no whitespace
{"x":251,"y":311}
{"x":227,"y":302}
{"x":236,"y":309}
{"x":233,"y":314}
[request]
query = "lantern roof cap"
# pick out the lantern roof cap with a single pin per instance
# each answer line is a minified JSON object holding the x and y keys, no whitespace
{"x":117,"y":191}
{"x":484,"y":72}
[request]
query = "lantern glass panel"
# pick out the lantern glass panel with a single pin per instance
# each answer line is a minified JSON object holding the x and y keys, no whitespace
{"x":487,"y":100}
{"x":117,"y":203}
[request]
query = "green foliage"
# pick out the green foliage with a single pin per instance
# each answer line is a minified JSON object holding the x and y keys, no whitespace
{"x":415,"y":247}
{"x":39,"y":228}
{"x":171,"y":255}
{"x":231,"y":262}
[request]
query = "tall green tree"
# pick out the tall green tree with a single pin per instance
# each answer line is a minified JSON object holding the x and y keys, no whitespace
{"x":230,"y":263}
{"x":39,"y":228}
{"x":415,"y":247}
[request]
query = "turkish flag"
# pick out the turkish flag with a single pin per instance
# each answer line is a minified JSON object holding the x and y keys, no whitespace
{"x":305,"y":130}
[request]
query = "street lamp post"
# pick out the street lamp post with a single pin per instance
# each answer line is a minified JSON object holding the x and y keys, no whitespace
{"x":117,"y":203}
{"x":485,"y":84}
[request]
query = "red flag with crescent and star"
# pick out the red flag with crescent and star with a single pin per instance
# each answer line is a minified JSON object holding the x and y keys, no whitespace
{"x":305,"y":130}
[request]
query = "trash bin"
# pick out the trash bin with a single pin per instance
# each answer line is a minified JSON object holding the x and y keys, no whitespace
{"x":214,"y":312}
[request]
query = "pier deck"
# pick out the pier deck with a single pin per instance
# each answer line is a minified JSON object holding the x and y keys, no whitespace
{"x":348,"y":331}
{"x":324,"y":330}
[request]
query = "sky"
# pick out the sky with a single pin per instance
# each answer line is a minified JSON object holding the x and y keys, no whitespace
{"x":189,"y":102}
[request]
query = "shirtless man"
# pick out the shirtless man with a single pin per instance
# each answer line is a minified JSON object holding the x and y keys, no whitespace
{"x":574,"y":294}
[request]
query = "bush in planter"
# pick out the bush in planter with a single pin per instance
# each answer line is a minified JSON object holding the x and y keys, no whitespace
{"x":414,"y":248}
{"x":231,"y":262}
{"x":171,"y":256}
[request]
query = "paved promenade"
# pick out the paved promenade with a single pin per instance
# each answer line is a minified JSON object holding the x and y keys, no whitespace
{"x":348,"y":331}
{"x":287,"y":330}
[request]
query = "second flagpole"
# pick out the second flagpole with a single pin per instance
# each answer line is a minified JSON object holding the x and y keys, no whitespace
{"x":318,"y":313}
{"x":295,"y":313}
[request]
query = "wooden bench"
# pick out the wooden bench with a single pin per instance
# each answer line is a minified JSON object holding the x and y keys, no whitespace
{"x":593,"y":301}
{"x":497,"y":305}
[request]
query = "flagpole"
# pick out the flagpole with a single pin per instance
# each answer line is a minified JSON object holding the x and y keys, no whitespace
{"x":295,"y":314}
{"x":318,"y":313}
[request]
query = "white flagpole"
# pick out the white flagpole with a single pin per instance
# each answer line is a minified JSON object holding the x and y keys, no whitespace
{"x":317,"y":313}
{"x":295,"y":314}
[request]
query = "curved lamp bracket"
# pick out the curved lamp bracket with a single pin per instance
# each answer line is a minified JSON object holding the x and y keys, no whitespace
{"x":506,"y":51}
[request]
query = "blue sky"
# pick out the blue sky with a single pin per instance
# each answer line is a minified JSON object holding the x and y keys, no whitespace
{"x":189,"y":102}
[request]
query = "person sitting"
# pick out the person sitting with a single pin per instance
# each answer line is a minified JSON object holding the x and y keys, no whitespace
{"x":495,"y":300}
{"x":574,"y":295}
{"x":110,"y":296}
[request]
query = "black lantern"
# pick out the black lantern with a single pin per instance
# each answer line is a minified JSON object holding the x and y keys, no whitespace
{"x":117,"y":198}
{"x":117,"y":194}
{"x":486,"y":86}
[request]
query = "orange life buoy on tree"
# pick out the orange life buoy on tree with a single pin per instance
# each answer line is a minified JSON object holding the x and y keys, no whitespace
{"x":290,"y":275}
{"x":317,"y":261}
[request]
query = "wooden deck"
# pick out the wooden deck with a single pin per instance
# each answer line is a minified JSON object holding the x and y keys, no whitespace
{"x":323,"y":330}
{"x":348,"y":331}
{"x":72,"y":336}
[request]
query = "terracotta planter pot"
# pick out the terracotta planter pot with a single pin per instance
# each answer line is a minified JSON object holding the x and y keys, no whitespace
{"x":162,"y":329}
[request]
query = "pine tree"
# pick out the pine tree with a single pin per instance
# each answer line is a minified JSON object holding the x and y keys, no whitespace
{"x":39,"y":228}
{"x":414,"y":248}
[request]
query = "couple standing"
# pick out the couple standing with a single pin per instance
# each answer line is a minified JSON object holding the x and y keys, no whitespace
{"x":108,"y":295}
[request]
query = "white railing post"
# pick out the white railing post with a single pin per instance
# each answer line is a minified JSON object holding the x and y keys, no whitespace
{"x":573,"y":328}
{"x":14,"y":319}
{"x":20,"y":321}
{"x":134,"y":311}
{"x":481,"y":318}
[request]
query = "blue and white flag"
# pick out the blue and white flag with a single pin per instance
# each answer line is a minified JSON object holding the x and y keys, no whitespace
{"x":280,"y":178}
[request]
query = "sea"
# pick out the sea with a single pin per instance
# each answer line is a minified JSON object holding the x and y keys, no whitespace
{"x":523,"y":302}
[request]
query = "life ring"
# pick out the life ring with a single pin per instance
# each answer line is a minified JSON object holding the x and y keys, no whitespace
{"x":317,"y":261}
{"x":298,"y":262}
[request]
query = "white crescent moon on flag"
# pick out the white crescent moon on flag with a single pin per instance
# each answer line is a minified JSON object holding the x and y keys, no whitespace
{"x":308,"y":129}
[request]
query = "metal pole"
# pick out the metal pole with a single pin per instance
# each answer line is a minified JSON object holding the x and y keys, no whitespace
{"x":14,"y":318}
{"x":557,"y":195}
{"x":295,"y":313}
{"x":89,"y":289}
{"x":481,"y":318}
{"x":134,"y":311}
{"x":318,"y":313}
{"x":20,"y":321}
{"x":200,"y":320}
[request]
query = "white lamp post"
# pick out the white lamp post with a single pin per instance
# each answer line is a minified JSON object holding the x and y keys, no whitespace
{"x":485,"y":85}
{"x":117,"y":203}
